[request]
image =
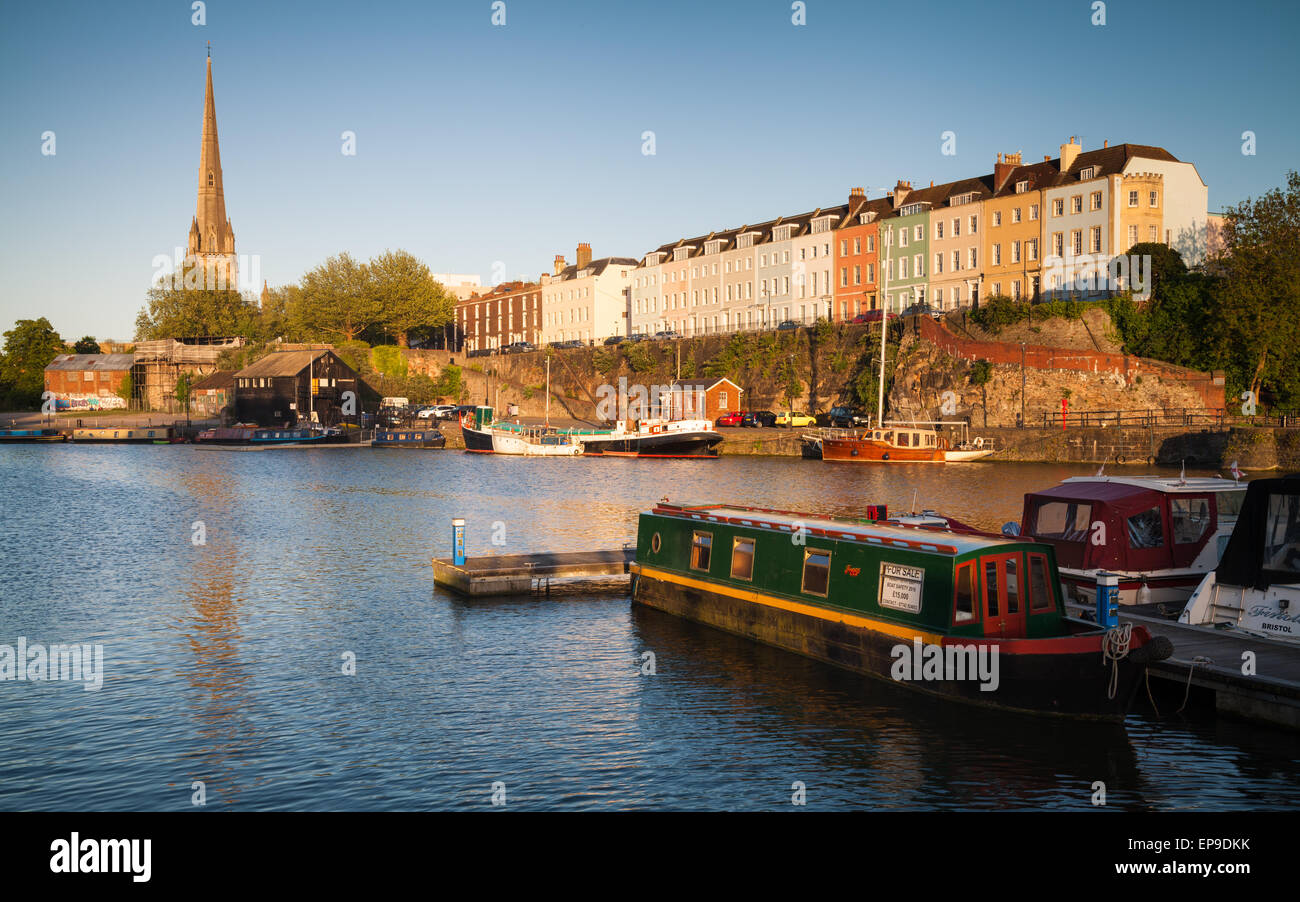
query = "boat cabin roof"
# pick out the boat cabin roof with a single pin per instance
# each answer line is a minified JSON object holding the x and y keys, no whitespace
{"x":939,"y":541}
{"x":1113,"y":487}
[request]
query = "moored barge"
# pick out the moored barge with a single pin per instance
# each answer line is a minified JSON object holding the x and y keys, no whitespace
{"x":137,"y":435}
{"x":971,"y":617}
{"x":409,"y":438}
{"x":22,"y":436}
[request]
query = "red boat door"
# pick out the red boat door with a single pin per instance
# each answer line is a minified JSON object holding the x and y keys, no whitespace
{"x":1002,"y":576}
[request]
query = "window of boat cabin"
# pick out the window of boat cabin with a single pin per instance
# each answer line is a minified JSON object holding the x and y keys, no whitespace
{"x":1190,"y":518}
{"x":1146,"y":529}
{"x":903,"y":439}
{"x":1282,"y":533}
{"x":701,"y":548}
{"x":1068,"y":521}
{"x":816,"y":571}
{"x":991,"y":586}
{"x":1040,"y":592}
{"x":964,"y":602}
{"x":1013,"y":587}
{"x":742,"y":558}
{"x":1229,"y":503}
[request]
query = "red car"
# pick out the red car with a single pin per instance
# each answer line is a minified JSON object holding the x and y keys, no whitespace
{"x":871,"y":316}
{"x":730,"y":419}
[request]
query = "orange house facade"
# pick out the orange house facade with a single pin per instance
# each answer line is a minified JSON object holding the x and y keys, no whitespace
{"x":857,"y":258}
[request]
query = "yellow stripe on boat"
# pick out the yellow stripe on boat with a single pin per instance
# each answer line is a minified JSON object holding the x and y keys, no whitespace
{"x":773,"y":601}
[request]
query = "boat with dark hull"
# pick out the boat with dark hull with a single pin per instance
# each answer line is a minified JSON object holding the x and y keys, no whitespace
{"x":123,"y":435}
{"x":409,"y":438}
{"x":966,"y":616}
{"x":645,"y":438}
{"x":25,"y":436}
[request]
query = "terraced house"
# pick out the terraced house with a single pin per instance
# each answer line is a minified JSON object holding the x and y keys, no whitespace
{"x":586,"y":301}
{"x":1013,"y":236}
{"x":957,"y":226}
{"x":508,"y":313}
{"x":857,"y":258}
{"x":1048,"y":228}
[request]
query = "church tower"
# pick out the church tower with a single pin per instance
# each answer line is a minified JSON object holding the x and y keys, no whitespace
{"x":212,"y":238}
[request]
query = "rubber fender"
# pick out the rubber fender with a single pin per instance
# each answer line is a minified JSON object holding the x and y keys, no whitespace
{"x":1157,"y":649}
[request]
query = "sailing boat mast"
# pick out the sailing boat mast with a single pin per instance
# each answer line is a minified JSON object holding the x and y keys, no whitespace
{"x":548,"y":389}
{"x":884,"y":325}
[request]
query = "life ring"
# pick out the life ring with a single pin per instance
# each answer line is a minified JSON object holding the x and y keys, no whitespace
{"x":979,"y":441}
{"x":885,"y":456}
{"x":1119,"y":459}
{"x":1151,"y":460}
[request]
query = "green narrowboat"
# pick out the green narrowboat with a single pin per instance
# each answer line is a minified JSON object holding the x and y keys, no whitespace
{"x":964,"y":615}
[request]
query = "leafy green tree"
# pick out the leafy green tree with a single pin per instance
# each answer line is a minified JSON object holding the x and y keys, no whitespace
{"x":1252,"y":324}
{"x":126,"y":391}
{"x":1166,"y":263}
{"x":335,"y":301}
{"x":87,"y":345}
{"x":28,"y":348}
{"x":408,"y":298}
{"x":181,"y":306}
{"x":184,"y":391}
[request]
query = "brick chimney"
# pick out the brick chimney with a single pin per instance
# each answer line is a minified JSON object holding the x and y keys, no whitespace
{"x":584,"y":256}
{"x":1003,"y":168}
{"x":559,"y":263}
{"x":901,"y":190}
{"x":1069,"y":152}
{"x":857,"y":199}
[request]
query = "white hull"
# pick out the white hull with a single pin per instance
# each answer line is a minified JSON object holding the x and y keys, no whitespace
{"x":966,"y":455}
{"x":1272,"y":613}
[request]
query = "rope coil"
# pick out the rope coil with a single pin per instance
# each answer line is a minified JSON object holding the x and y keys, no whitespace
{"x":1115,"y":648}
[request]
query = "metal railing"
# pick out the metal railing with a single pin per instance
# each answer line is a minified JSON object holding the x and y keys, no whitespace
{"x":1152,"y":417}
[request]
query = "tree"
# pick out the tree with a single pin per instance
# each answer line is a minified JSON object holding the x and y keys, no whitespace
{"x":335,"y":301}
{"x":407,"y":296}
{"x":1166,"y":263}
{"x":29,"y":347}
{"x":1252,"y":325}
{"x":87,"y":345}
{"x":180,"y":306}
{"x":126,"y":391}
{"x":981,"y":373}
{"x":184,"y":390}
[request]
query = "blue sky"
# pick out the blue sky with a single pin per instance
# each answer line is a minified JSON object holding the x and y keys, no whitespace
{"x":479,"y":143}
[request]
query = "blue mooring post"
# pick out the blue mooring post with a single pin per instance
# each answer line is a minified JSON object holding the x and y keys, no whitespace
{"x":1107,"y":599}
{"x":458,"y":542}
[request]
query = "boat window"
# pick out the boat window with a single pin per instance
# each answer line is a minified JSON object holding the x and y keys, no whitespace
{"x":964,"y":607}
{"x":929,"y":440}
{"x":1282,"y":533}
{"x":701,"y":549}
{"x":742,"y":558}
{"x":903,"y":439}
{"x":1145,"y":530}
{"x":1190,"y":519}
{"x":1040,"y":593}
{"x":1229,"y":503}
{"x":816,"y":571}
{"x":1064,"y":520}
{"x":1013,"y":587}
{"x":991,"y":586}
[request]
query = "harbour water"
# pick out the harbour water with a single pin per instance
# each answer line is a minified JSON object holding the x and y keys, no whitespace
{"x":230,"y":591}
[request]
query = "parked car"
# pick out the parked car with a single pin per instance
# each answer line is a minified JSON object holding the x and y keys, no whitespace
{"x":788,"y":326}
{"x":923,"y":310}
{"x":730,"y":419}
{"x":614,"y":340}
{"x":638,"y":336}
{"x":425,"y":413}
{"x":755,"y":419}
{"x":848,"y":418}
{"x":444,"y":411}
{"x":666,"y":334}
{"x":791,"y":418}
{"x":872,"y":316}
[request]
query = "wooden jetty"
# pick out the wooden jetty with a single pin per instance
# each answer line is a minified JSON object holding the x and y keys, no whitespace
{"x":520,"y":574}
{"x":1213,"y":659}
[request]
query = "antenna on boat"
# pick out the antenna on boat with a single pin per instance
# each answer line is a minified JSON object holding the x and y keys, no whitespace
{"x":1101,"y":471}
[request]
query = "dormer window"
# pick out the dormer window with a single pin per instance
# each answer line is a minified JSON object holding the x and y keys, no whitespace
{"x":745,"y":240}
{"x":865,"y":218}
{"x":1022,"y":186}
{"x":782,"y":233}
{"x":1087,"y":173}
{"x":822,"y":224}
{"x":713,"y":247}
{"x":681,"y":253}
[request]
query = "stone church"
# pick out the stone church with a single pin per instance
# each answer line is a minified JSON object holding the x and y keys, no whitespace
{"x":212,"y":238}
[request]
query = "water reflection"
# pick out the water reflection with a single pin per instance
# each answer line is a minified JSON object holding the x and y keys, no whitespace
{"x":223,"y":660}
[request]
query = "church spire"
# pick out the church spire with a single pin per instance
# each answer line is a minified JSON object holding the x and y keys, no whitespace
{"x":211,"y":233}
